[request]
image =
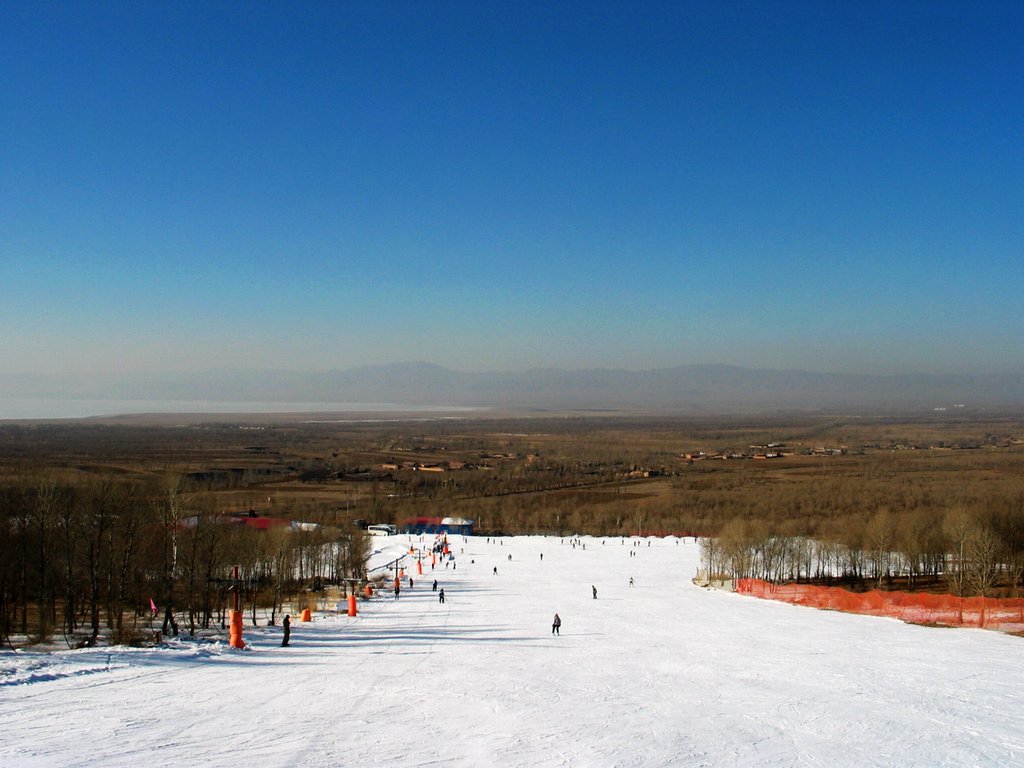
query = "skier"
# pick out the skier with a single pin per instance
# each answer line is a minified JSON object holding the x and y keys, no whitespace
{"x":595,"y":591}
{"x":434,"y":588}
{"x":398,"y":590}
{"x":287,"y":625}
{"x":631,"y":582}
{"x":440,"y":595}
{"x":556,"y":625}
{"x":169,"y":621}
{"x":495,"y":570}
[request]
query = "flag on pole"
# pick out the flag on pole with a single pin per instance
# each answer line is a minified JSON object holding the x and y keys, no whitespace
{"x":152,"y":606}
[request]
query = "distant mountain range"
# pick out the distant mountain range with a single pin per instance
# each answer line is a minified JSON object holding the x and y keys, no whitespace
{"x":690,"y":388}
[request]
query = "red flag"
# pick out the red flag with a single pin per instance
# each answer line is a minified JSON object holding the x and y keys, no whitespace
{"x":152,"y":606}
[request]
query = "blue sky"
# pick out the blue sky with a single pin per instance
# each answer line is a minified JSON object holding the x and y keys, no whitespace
{"x":829,"y":186}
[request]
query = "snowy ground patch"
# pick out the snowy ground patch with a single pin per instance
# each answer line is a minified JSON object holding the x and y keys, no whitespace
{"x":662,"y":673}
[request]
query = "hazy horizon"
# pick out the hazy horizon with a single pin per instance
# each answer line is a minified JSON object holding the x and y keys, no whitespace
{"x":192,"y":187}
{"x":1016,"y":369}
{"x":421,"y":386}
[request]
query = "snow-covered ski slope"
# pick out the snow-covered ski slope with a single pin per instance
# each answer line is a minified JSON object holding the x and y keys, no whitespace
{"x":660,"y":674}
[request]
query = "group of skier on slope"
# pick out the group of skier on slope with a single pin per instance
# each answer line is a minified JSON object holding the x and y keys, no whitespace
{"x":556,"y":623}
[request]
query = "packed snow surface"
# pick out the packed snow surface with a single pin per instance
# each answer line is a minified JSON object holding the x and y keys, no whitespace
{"x":663,"y":673}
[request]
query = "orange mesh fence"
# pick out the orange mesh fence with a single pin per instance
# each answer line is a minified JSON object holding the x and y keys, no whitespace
{"x":1006,"y":614}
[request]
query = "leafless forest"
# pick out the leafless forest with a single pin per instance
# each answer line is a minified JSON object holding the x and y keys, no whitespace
{"x":99,"y":521}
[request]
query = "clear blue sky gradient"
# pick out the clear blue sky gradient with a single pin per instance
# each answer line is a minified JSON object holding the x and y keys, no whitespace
{"x":829,"y":186}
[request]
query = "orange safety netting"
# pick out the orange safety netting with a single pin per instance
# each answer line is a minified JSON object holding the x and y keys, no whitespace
{"x":1006,"y":614}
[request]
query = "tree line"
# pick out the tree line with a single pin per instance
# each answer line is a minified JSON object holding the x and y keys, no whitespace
{"x":965,"y":552}
{"x":81,"y":558}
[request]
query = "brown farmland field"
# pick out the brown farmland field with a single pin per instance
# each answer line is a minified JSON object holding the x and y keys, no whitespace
{"x":578,"y":473}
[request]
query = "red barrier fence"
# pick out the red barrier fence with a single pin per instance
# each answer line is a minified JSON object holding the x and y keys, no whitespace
{"x":1005,"y":614}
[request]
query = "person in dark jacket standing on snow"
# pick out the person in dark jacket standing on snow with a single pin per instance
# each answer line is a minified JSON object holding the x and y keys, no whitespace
{"x":440,"y":595}
{"x":556,"y":625}
{"x":287,"y":626}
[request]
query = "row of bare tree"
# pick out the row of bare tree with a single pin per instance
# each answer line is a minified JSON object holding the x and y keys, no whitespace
{"x":972,"y":553}
{"x":89,"y":557}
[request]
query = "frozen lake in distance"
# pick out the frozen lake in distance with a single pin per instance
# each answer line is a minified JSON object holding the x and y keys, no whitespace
{"x":64,"y":408}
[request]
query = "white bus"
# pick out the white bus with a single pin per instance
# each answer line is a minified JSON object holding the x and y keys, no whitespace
{"x":381,"y":529}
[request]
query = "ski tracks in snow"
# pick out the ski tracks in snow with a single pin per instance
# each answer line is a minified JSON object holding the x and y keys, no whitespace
{"x":660,"y":674}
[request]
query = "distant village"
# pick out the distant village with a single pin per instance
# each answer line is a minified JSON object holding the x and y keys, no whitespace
{"x":766,"y":452}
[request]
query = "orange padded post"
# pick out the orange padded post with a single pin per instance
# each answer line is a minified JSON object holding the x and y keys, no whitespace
{"x":352,"y":604}
{"x":368,"y":591}
{"x":307,"y":615}
{"x":235,"y":616}
{"x":236,"y":630}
